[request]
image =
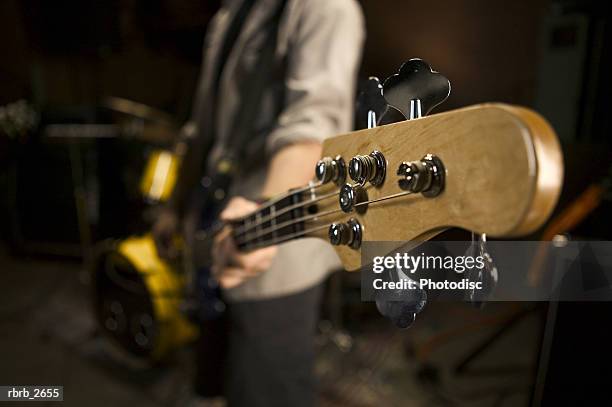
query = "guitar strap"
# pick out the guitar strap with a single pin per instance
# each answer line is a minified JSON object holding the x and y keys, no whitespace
{"x":253,"y":88}
{"x":221,"y":172}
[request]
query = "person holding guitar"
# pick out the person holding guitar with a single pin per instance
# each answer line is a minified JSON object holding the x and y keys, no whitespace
{"x":278,"y":76}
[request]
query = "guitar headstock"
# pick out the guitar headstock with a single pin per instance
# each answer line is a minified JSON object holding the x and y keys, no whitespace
{"x":492,"y":168}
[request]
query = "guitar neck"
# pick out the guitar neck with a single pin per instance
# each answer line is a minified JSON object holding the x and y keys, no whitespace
{"x":493,"y":169}
{"x":293,"y":215}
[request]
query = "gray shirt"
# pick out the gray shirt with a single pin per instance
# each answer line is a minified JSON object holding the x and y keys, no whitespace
{"x":319,"y":44}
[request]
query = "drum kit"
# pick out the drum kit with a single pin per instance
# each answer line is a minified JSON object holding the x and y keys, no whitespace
{"x":137,"y":296}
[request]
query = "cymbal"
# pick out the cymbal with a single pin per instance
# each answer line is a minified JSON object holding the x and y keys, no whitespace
{"x":143,"y":122}
{"x":138,"y":110}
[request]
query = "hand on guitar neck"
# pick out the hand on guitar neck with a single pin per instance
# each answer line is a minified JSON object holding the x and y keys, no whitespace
{"x":231,"y":267}
{"x":290,"y":167}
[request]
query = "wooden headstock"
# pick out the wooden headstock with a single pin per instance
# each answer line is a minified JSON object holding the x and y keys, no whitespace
{"x":503,"y":171}
{"x":492,"y":169}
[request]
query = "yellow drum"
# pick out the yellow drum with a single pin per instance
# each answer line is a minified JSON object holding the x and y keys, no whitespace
{"x":137,"y":299}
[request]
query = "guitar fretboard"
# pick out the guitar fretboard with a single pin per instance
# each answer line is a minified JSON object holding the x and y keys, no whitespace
{"x":274,"y":222}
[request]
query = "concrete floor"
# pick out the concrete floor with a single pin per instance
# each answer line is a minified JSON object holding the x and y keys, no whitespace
{"x":47,"y":336}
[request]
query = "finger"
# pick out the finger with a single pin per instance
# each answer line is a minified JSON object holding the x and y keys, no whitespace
{"x":230,"y":277}
{"x":227,"y":282}
{"x":223,"y":248}
{"x":222,"y":235}
{"x":257,"y":261}
{"x":237,"y":207}
{"x":230,"y":209}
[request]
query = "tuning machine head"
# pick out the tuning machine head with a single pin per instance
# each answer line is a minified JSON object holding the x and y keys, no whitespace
{"x":416,"y":89}
{"x":349,"y":234}
{"x":350,"y":196}
{"x":368,"y":168}
{"x":400,"y":306}
{"x":331,"y":169}
{"x":371,"y":104}
{"x":425,"y":176}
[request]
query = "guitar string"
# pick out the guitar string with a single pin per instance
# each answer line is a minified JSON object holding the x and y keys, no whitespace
{"x":280,"y":197}
{"x":218,"y":226}
{"x":287,"y":223}
{"x":273,"y":241}
{"x":246,"y":227}
{"x":384,"y":198}
{"x":285,"y":238}
{"x":267,"y":231}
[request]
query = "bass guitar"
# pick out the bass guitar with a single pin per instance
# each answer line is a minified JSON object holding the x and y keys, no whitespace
{"x":493,"y":169}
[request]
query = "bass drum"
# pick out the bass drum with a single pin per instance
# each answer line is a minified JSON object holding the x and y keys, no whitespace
{"x":137,"y":298}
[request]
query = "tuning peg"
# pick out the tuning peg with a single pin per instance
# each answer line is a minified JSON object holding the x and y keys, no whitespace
{"x":350,"y":196}
{"x":372,"y":168}
{"x":371,"y":104}
{"x":425,"y":176}
{"x":346,"y":233}
{"x":487,"y":276}
{"x":401,"y":306}
{"x":400,"y":313}
{"x":331,"y":169}
{"x":416,"y":89}
{"x":392,"y":115}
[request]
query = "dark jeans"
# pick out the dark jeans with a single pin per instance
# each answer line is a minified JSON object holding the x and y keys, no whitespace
{"x":269,"y":354}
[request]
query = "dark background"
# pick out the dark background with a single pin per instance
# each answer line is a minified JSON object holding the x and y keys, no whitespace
{"x":66,"y":56}
{"x":540,"y":53}
{"x":76,"y":52}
